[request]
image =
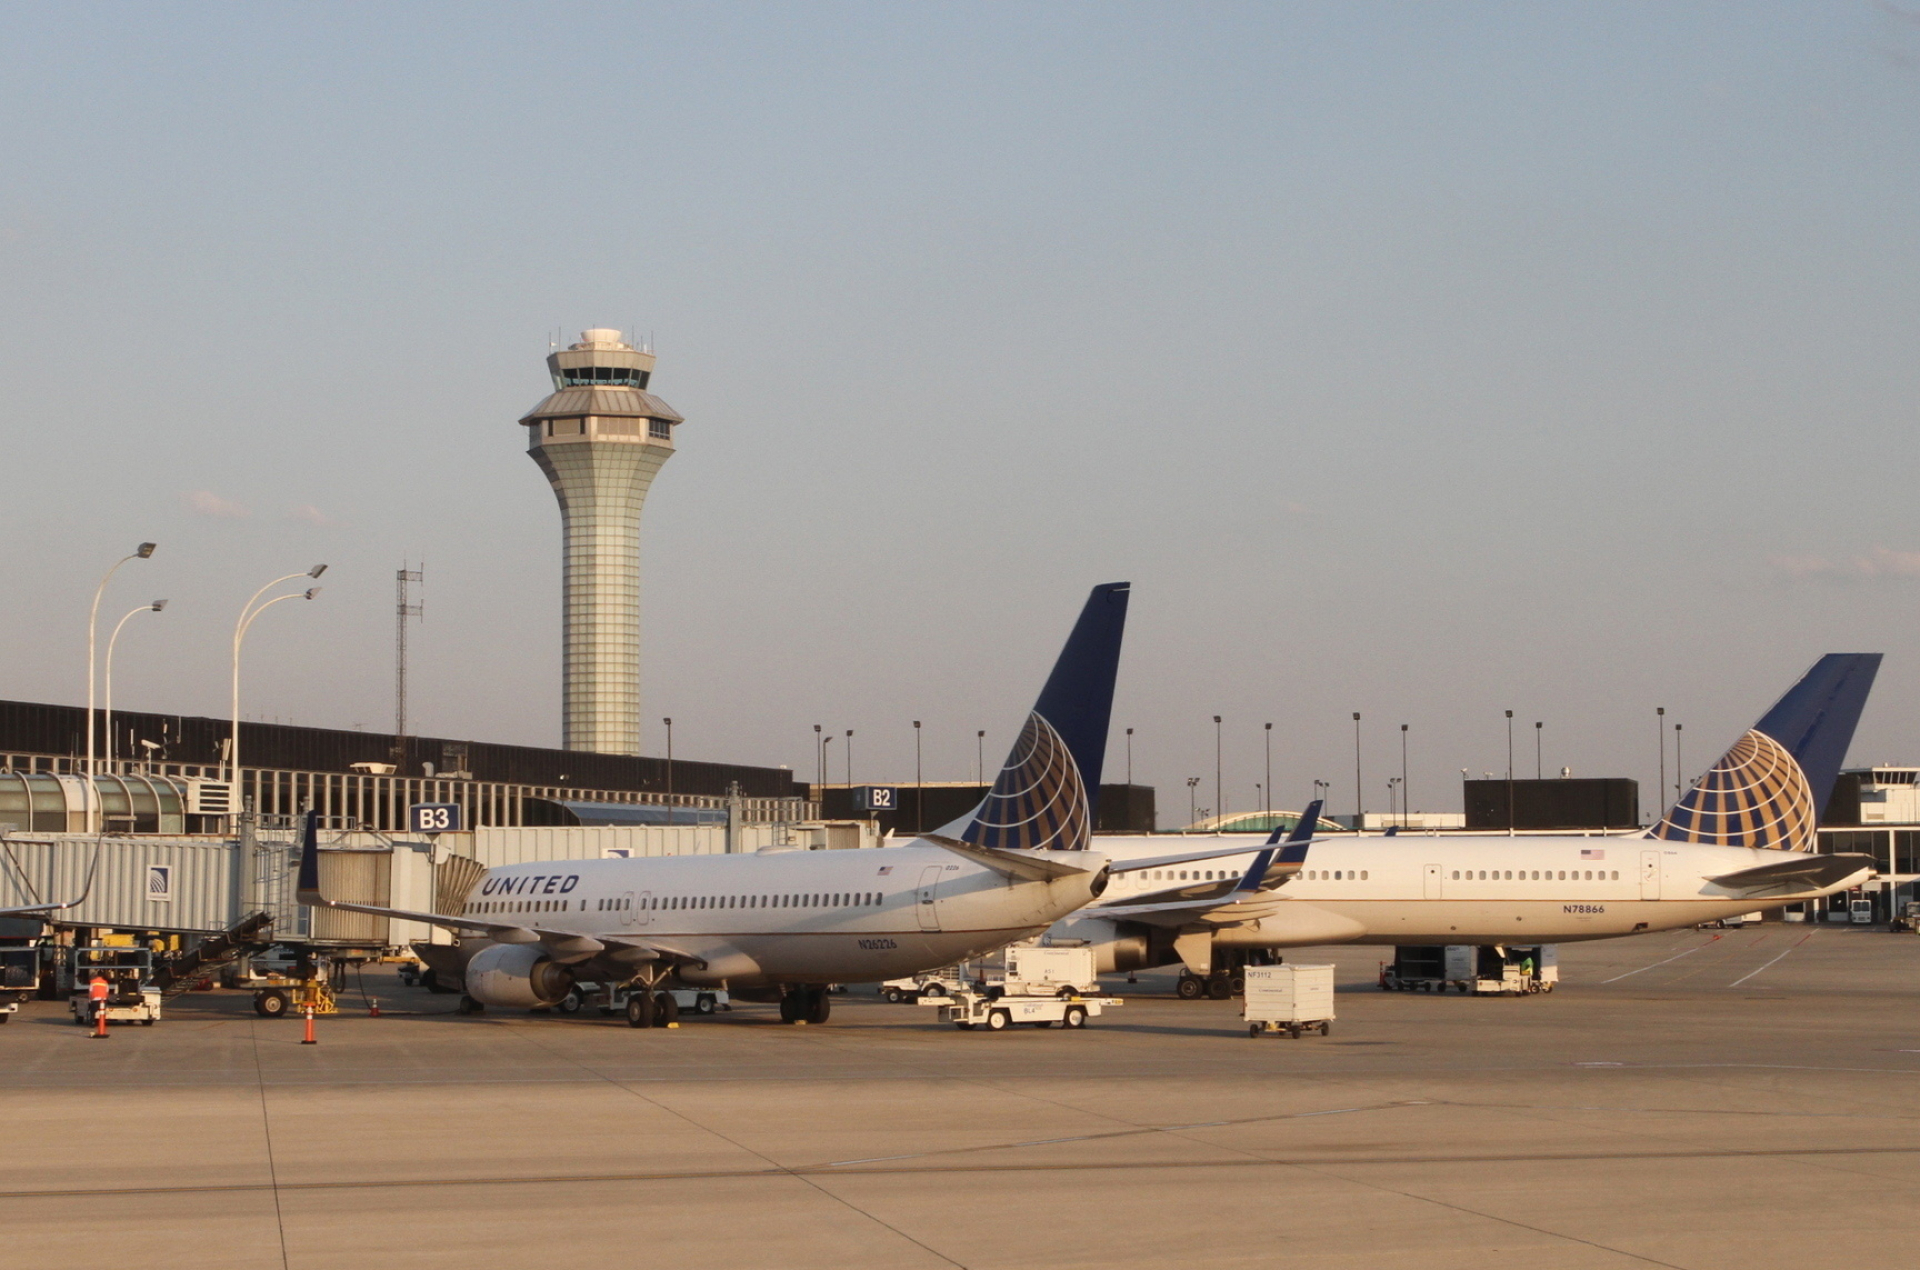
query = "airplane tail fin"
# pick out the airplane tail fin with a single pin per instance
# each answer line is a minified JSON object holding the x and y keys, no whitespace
{"x":1769,"y":789}
{"x":1044,"y":796}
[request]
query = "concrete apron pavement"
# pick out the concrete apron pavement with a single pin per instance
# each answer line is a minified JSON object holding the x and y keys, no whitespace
{"x":1693,"y":1099}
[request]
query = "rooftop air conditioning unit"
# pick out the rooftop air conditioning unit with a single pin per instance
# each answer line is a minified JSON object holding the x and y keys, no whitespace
{"x":209,"y":798}
{"x":374,"y":769}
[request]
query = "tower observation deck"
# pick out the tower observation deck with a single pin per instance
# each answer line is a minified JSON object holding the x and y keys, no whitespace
{"x":600,"y":438}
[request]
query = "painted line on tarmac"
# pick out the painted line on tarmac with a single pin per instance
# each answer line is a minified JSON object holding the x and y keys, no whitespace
{"x":1118,"y":1133}
{"x":1751,"y":973}
{"x":95,"y":1192}
{"x":1677,"y":956}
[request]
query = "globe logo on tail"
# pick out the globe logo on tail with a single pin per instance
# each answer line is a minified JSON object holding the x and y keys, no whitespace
{"x":1038,"y":801}
{"x":1755,"y":796}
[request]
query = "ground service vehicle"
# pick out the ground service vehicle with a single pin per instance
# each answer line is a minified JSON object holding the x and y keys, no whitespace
{"x":132,"y":996}
{"x":971,"y":1008}
{"x":1486,"y":969}
{"x":19,"y":978}
{"x":1288,"y":998}
{"x":1032,"y":971}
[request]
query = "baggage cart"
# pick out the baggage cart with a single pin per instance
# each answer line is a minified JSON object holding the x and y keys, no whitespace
{"x":997,"y":1011}
{"x":1288,"y":998}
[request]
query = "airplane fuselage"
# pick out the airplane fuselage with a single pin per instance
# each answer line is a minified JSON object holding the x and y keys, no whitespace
{"x":785,"y":917}
{"x":1458,"y":890}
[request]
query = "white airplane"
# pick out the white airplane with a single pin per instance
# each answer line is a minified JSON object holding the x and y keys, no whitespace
{"x":1741,"y":841}
{"x":783,"y":923}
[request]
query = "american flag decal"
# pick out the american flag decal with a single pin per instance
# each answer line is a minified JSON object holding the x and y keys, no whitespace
{"x":1592,"y":853}
{"x":885,"y":869}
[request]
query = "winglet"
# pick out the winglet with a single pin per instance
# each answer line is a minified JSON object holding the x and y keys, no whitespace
{"x":1290,"y":851}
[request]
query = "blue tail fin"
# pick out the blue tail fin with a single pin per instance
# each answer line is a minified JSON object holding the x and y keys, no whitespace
{"x":1044,"y":796}
{"x":1770,"y":788}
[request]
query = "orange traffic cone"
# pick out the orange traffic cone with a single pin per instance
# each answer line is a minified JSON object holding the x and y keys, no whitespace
{"x":373,"y":1008}
{"x":309,"y":1040}
{"x":100,"y":1022}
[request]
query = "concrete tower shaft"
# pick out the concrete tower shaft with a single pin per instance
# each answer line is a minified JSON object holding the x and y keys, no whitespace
{"x":600,"y":438}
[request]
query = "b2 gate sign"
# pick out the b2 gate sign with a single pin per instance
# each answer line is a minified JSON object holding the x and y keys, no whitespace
{"x":875,"y":798}
{"x":434,"y":818}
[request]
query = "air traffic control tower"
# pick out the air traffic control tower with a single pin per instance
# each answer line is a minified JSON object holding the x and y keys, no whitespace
{"x":600,"y":438}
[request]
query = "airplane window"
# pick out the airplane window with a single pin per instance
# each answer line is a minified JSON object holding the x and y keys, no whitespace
{"x":1363,"y":875}
{"x":1589,"y":875}
{"x":1616,"y":875}
{"x":1483,"y":875}
{"x":1336,"y":875}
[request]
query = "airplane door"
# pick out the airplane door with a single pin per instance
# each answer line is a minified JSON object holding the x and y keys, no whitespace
{"x":1649,"y":875}
{"x":924,"y":898}
{"x":1431,"y":885}
{"x":633,"y":912}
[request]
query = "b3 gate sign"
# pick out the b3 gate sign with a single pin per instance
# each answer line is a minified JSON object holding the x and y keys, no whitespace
{"x":435,"y":818}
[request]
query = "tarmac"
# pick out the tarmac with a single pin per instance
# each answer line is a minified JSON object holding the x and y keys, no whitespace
{"x":1695,"y":1099}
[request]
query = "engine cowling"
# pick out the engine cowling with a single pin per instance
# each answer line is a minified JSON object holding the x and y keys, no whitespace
{"x":1116,"y":945}
{"x":516,"y":975}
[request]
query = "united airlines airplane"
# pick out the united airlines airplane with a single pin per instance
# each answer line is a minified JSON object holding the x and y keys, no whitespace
{"x":782,"y":924}
{"x":1740,"y":841}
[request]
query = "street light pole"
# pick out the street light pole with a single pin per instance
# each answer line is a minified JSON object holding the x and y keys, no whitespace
{"x":1509,"y":773}
{"x":819,"y":757}
{"x":1219,"y":789}
{"x":980,"y":756}
{"x":141,"y":552}
{"x":107,"y":720}
{"x":1129,"y":758}
{"x":1405,"y":806}
{"x":1269,"y":798}
{"x":248,"y":615}
{"x":1660,"y":731}
{"x":669,"y":723}
{"x":1193,"y":802}
{"x":849,"y":757}
{"x":1539,"y":773}
{"x":1679,"y":765}
{"x":1359,"y":794}
{"x":919,"y":797}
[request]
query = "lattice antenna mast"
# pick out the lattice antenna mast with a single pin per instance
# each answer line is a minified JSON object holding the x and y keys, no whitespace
{"x":403,"y":609}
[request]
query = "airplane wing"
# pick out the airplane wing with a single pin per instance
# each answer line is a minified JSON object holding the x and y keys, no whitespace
{"x":565,"y":947}
{"x":1248,"y":901}
{"x":1785,"y":877}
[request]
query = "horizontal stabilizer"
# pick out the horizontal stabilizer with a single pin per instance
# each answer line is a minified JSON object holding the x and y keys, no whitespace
{"x":1814,"y":873}
{"x":1025,"y":866}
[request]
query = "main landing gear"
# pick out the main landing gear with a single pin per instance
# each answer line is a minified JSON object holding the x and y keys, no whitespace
{"x":808,"y":1004}
{"x":647,"y":1008}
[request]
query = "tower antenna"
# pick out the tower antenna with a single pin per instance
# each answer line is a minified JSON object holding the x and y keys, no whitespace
{"x":403,"y":609}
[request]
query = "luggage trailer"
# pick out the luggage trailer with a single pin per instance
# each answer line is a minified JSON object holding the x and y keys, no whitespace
{"x":1482,"y":969}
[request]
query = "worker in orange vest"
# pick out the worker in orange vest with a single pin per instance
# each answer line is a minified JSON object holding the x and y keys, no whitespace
{"x":97,"y":994}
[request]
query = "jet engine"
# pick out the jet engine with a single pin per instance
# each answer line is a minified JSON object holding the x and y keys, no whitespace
{"x":1116,"y":945}
{"x":516,"y":974}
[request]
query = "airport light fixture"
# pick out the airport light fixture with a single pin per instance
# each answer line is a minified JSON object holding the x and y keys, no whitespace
{"x":141,"y":552}
{"x":669,"y":723}
{"x":980,"y":754}
{"x":1538,"y":771}
{"x":1193,"y":809}
{"x":1129,"y":757}
{"x":253,"y":609}
{"x":919,"y":798}
{"x":819,"y":757}
{"x":106,"y":722}
{"x":1679,"y":765}
{"x":848,"y":755}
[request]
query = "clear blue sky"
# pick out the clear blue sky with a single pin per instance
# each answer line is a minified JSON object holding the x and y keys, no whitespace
{"x":1427,"y":361}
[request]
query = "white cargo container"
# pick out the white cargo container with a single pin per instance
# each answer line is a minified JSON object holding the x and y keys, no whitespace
{"x":1032,"y":971}
{"x":1288,"y":998}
